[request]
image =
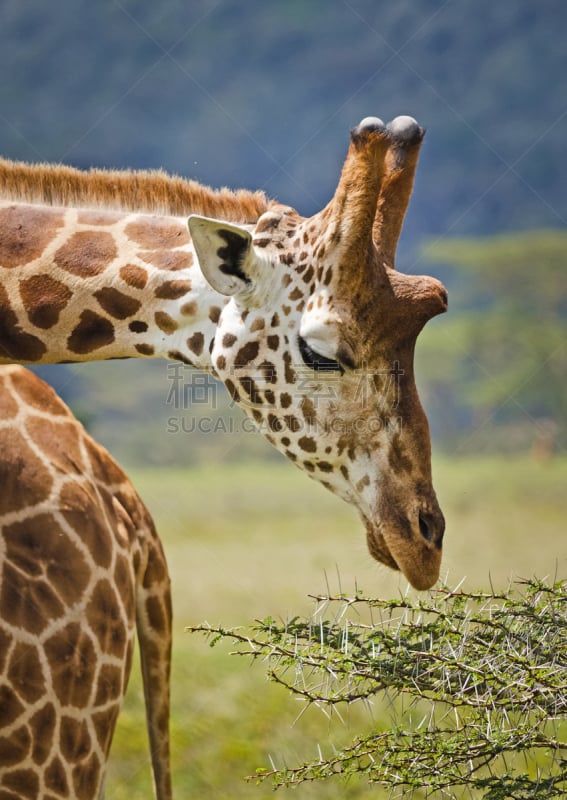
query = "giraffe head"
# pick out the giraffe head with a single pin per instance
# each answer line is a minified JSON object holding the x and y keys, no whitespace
{"x":317,"y":341}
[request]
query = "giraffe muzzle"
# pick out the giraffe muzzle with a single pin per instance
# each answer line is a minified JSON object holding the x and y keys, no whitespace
{"x":413,"y":547}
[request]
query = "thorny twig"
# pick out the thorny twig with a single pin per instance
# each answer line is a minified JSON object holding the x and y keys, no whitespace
{"x":499,"y":661}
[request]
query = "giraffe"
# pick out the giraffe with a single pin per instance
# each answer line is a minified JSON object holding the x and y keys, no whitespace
{"x":307,"y":321}
{"x":81,"y":569}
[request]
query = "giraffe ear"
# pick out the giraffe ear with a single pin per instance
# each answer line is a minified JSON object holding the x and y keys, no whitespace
{"x":225,"y":253}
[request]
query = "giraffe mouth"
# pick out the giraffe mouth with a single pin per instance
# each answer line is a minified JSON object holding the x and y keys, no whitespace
{"x":417,"y":559}
{"x":378,"y":548}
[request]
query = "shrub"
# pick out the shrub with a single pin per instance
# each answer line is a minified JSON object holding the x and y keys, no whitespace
{"x":480,"y":681}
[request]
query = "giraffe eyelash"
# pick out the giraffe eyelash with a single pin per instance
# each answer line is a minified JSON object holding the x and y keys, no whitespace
{"x":316,"y":361}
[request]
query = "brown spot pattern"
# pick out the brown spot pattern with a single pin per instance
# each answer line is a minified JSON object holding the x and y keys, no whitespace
{"x":308,"y":411}
{"x":15,"y":749}
{"x":25,"y":384}
{"x":189,"y":309}
{"x":56,"y":778}
{"x":28,"y":604}
{"x":137,"y":326}
{"x":168,"y":260}
{"x":268,"y":223}
{"x":165,"y":322}
{"x":81,"y":509}
{"x":157,"y":233}
{"x":123,"y":580}
{"x":251,"y":389}
{"x":289,"y":371}
{"x":16,"y":344}
{"x":116,"y":303}
{"x":292,"y":423}
{"x":214,"y":314}
{"x":5,"y":640}
{"x":145,"y":349}
{"x":258,"y":324}
{"x":134,"y":276}
{"x":232,"y":390}
{"x":274,"y":423}
{"x":105,"y":619}
{"x":42,"y":727}
{"x":308,"y":444}
{"x":196,"y":342}
{"x":24,"y":782}
{"x":246,"y":354}
{"x":104,"y":723}
{"x":269,"y":371}
{"x":23,"y":478}
{"x":72,"y":656}
{"x":86,"y":253}
{"x":104,"y":467}
{"x":25,"y":673}
{"x":44,"y":298}
{"x":74,"y":739}
{"x":156,"y":614}
{"x":10,"y":707}
{"x":155,"y":572}
{"x":85,"y":776}
{"x":26,"y":232}
{"x":176,"y":355}
{"x":91,"y":333}
{"x":173,"y":290}
{"x":58,"y":441}
{"x":109,"y":685}
{"x":8,"y":408}
{"x":44,"y":555}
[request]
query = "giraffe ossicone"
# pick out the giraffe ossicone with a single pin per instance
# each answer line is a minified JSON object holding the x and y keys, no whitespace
{"x":306,"y":320}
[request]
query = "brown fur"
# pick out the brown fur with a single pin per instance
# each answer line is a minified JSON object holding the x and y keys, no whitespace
{"x":153,"y":191}
{"x":78,"y":574}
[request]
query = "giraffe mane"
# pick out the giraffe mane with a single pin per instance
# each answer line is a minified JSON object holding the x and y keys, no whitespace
{"x":126,"y":190}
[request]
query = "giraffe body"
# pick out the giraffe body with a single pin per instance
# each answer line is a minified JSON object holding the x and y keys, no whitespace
{"x":306,"y":320}
{"x":81,"y":568}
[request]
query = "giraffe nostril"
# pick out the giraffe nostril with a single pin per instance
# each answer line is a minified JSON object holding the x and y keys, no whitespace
{"x":432,"y":527}
{"x":424,"y":527}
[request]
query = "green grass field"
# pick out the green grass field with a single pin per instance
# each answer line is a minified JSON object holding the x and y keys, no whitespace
{"x":252,"y":540}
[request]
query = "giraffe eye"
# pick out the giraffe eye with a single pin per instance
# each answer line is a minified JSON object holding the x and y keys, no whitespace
{"x":316,"y":361}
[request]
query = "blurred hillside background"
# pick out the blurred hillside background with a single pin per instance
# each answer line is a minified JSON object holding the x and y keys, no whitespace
{"x":262,"y":95}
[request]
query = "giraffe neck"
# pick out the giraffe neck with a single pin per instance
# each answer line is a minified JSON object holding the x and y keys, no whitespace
{"x":80,"y":285}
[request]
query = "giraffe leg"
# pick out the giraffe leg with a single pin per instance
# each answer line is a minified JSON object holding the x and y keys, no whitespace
{"x":154,"y":626}
{"x":405,"y":137}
